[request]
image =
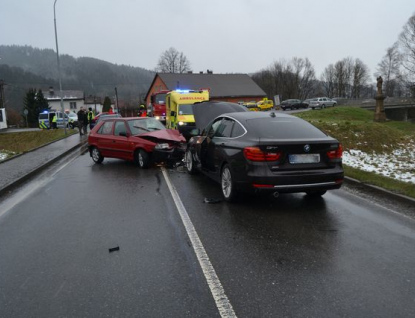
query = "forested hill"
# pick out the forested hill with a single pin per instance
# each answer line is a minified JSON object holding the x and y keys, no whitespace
{"x":24,"y":66}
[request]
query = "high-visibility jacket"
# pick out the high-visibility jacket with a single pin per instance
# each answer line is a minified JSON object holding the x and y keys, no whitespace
{"x":54,"y":119}
{"x":91,"y":116}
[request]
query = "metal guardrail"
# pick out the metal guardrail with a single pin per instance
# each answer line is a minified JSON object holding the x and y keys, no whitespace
{"x":389,"y":106}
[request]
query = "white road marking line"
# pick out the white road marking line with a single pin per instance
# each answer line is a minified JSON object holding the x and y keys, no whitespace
{"x":218,"y":293}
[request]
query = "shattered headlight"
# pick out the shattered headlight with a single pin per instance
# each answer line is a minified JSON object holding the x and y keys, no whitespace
{"x":162,"y":146}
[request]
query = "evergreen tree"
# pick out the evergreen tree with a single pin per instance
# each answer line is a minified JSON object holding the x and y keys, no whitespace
{"x":34,"y":103}
{"x":107,"y":104}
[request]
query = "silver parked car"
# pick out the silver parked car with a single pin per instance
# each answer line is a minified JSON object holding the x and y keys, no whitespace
{"x":322,"y":102}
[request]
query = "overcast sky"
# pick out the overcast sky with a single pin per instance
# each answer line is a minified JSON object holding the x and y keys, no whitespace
{"x":226,"y":36}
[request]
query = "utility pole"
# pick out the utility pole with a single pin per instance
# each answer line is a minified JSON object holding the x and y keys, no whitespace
{"x":116,"y":99}
{"x":2,"y":98}
{"x":59,"y":67}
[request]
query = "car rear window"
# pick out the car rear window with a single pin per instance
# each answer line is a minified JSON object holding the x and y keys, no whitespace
{"x":284,"y":128}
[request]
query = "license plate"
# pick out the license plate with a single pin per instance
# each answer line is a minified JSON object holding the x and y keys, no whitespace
{"x":307,"y":158}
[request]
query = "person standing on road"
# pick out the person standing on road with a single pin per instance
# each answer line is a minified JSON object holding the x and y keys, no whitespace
{"x":54,"y":122}
{"x":91,"y":117}
{"x":82,"y":121}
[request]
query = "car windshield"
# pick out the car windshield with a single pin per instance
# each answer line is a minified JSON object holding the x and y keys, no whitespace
{"x":72,"y":115}
{"x":140,"y":126}
{"x":185,"y":109}
{"x":284,"y":128}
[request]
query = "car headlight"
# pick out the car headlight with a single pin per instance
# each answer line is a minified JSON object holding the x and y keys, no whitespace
{"x":162,"y":146}
{"x":182,"y":123}
{"x":157,"y":117}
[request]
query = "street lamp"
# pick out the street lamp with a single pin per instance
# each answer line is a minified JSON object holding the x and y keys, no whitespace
{"x":59,"y":66}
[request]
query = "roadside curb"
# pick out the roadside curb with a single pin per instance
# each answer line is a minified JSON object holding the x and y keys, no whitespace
{"x":380,"y":191}
{"x":8,"y":187}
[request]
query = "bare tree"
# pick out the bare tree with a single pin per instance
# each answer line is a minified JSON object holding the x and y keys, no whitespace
{"x":388,"y":68}
{"x":328,"y":80}
{"x":173,"y":61}
{"x":266,"y":81}
{"x":307,"y":79}
{"x":289,"y":79}
{"x":407,"y":45}
{"x":360,"y":77}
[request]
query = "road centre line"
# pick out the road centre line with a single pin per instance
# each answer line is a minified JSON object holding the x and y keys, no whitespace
{"x":222,"y":302}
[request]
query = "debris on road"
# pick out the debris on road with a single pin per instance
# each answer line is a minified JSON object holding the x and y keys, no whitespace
{"x":113,"y":249}
{"x":212,"y":200}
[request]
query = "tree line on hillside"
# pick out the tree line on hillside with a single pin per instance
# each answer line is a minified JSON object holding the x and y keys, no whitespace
{"x":36,"y":68}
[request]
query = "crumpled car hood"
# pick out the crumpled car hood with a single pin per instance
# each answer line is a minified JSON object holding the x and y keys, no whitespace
{"x":207,"y":111}
{"x":163,"y":135}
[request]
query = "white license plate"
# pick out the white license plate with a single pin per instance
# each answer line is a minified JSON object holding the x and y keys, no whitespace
{"x":307,"y":158}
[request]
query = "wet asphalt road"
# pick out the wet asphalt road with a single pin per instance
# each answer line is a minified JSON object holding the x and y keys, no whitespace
{"x":338,"y":256}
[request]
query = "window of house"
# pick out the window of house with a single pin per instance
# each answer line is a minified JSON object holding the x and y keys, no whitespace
{"x":72,"y":105}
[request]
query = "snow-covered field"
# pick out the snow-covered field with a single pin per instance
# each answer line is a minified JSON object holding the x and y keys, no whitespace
{"x":399,"y":165}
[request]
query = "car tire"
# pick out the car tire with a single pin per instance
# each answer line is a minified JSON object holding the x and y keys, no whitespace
{"x":323,"y":106}
{"x":96,"y":155}
{"x":143,"y":159}
{"x":190,"y":162}
{"x":312,"y":108}
{"x":227,"y":184}
{"x":316,"y":193}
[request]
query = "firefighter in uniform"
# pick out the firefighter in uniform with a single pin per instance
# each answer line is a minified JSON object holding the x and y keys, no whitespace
{"x":142,"y":112}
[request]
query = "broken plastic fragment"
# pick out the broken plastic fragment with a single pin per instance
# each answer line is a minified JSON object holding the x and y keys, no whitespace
{"x":212,"y":200}
{"x":113,"y":249}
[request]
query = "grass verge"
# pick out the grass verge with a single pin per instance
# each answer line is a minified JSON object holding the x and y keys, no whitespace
{"x":355,"y":129}
{"x":15,"y":143}
{"x":390,"y":184}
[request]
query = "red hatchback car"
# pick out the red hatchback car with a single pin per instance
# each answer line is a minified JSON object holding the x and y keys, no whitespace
{"x":142,"y":140}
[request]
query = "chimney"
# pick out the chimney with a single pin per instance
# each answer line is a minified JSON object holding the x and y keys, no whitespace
{"x":51,"y":91}
{"x":209,"y":71}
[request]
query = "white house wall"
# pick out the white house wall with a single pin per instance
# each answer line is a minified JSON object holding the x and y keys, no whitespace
{"x":3,"y":119}
{"x":56,"y":104}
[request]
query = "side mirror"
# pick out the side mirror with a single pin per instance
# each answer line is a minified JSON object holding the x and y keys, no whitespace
{"x":123,"y":133}
{"x":195,"y":132}
{"x":173,"y":113}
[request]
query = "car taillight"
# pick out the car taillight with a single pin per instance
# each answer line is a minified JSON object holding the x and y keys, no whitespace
{"x":256,"y":154}
{"x":335,"y":154}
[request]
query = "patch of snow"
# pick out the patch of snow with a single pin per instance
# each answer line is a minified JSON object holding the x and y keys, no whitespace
{"x":399,"y":165}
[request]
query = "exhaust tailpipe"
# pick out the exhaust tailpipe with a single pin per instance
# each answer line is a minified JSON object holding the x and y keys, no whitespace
{"x":276,"y":194}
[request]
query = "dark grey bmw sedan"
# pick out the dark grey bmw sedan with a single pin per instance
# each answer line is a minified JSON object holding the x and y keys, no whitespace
{"x":262,"y":151}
